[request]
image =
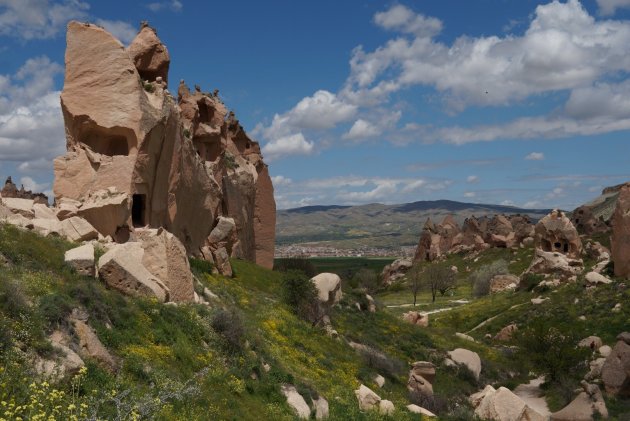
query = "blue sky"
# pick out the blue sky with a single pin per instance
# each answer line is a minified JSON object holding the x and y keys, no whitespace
{"x":494,"y":101}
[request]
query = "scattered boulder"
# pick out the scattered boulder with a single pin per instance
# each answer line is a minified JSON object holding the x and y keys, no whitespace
{"x":68,"y":363}
{"x":23,"y":207}
{"x":604,"y":350}
{"x":620,"y":239}
{"x":592,"y":342}
{"x":81,"y":259}
{"x":386,"y":407}
{"x":415,"y":409}
{"x":421,"y":377}
{"x":368,"y":400}
{"x":328,"y":288}
{"x":594,"y":278}
{"x":556,"y":264}
{"x":91,"y":346}
{"x":506,"y":333}
{"x":595,"y":369}
{"x":505,"y":282}
{"x":467,"y":358}
{"x":379,"y":380}
{"x":320,"y":405}
{"x":395,"y":270}
{"x":616,"y":369}
{"x":588,"y":403}
{"x":296,"y":401}
{"x":121,"y":268}
{"x":416,"y":318}
{"x":503,"y":405}
{"x":78,"y":229}
{"x":538,"y":300}
{"x":107,"y":210}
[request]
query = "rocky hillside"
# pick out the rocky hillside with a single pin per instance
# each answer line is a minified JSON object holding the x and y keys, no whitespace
{"x":377,"y":225}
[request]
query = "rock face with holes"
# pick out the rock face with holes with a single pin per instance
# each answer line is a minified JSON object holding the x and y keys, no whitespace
{"x":137,"y":156}
{"x":556,"y":234}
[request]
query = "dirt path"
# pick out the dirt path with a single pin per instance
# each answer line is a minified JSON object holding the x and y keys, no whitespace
{"x":493,"y":317}
{"x":532,"y":396}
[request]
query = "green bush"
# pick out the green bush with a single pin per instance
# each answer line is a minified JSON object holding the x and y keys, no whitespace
{"x":54,"y":309}
{"x":529,"y":281}
{"x":229,"y":325}
{"x":366,"y":279}
{"x":12,"y":299}
{"x":480,"y":279}
{"x":300,"y":294}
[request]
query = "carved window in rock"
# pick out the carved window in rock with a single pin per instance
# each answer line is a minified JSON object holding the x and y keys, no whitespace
{"x":138,"y":210}
{"x":105,"y":144}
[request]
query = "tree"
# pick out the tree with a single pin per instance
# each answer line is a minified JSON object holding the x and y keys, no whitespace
{"x":438,"y":277}
{"x":414,"y":279}
{"x":366,"y":278}
{"x":300,"y":294}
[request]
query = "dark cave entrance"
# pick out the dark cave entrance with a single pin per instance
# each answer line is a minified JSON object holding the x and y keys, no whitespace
{"x":138,"y":206}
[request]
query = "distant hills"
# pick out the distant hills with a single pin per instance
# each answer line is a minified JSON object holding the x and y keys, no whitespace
{"x":376,"y":225}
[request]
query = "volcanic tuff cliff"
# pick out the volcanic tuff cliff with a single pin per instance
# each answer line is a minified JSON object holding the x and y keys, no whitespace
{"x":138,"y":156}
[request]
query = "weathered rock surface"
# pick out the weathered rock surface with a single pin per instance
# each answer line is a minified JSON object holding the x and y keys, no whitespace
{"x":121,"y":268}
{"x":416,"y":318}
{"x":137,"y":156}
{"x":620,"y":239}
{"x":506,"y":333}
{"x":584,"y":406}
{"x":296,"y":401}
{"x":67,"y":363}
{"x":503,"y":405}
{"x":78,"y":229}
{"x":328,"y":287}
{"x":368,"y":400}
{"x":81,"y":259}
{"x":505,"y":282}
{"x":467,"y":358}
{"x":386,"y":407}
{"x":395,"y":270}
{"x":91,"y":346}
{"x":616,"y":369}
{"x":421,"y":378}
{"x":556,"y":264}
{"x":415,"y":409}
{"x":10,"y":190}
{"x":555,"y":233}
{"x":595,"y":278}
{"x":320,"y":405}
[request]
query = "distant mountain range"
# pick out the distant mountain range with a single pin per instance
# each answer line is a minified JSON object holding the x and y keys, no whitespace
{"x":376,"y":225}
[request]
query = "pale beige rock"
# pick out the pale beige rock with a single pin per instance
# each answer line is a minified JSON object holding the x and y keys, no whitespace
{"x":386,"y":407}
{"x":320,"y":405}
{"x":296,"y":401}
{"x":23,"y":207}
{"x":595,"y":369}
{"x":91,"y":346}
{"x":42,"y":211}
{"x":66,"y":208}
{"x":616,"y":370}
{"x":328,"y":287}
{"x":465,"y":337}
{"x":595,"y":278}
{"x":165,"y":257}
{"x":45,"y":226}
{"x":605,"y":350}
{"x":379,"y":380}
{"x":620,"y":239}
{"x":506,"y":333}
{"x":416,"y":318}
{"x":68,"y":363}
{"x":81,"y":259}
{"x":503,"y":405}
{"x":467,"y":358}
{"x":121,"y":268}
{"x":504,"y":282}
{"x":592,"y":342}
{"x":106,"y":210}
{"x":223,"y":230}
{"x":78,"y":229}
{"x":368,"y":400}
{"x":476,"y":398}
{"x":149,"y":55}
{"x":395,"y":270}
{"x":584,"y":406}
{"x":556,"y":233}
{"x":222,"y":260}
{"x":555,"y":263}
{"x":421,"y":377}
{"x":415,"y":409}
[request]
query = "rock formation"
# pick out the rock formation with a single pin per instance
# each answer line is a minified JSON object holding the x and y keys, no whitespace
{"x":620,"y":240}
{"x":555,"y":233}
{"x":616,"y":369}
{"x":10,"y":190}
{"x":137,"y":156}
{"x":396,"y":270}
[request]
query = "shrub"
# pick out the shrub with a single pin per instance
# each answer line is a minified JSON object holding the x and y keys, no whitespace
{"x":6,"y":342}
{"x":480,"y":279}
{"x":381,"y":363}
{"x":300,"y":294}
{"x":229,"y":325}
{"x":54,"y":309}
{"x":301,"y":264}
{"x":200,"y":266}
{"x":366,"y":279}
{"x":529,"y":281}
{"x":433,"y":403}
{"x":12,"y":299}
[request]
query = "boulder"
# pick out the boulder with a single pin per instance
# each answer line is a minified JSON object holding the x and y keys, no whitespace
{"x":604,"y":350}
{"x":222,"y":261}
{"x":503,"y":405}
{"x":616,"y":370}
{"x":395,"y":270}
{"x":592,"y":342}
{"x":68,"y":362}
{"x":465,"y":337}
{"x":165,"y":257}
{"x":45,"y":226}
{"x":505,"y":282}
{"x":415,"y":409}
{"x":107,"y":211}
{"x":78,"y":229}
{"x":595,"y":369}
{"x":594,"y":278}
{"x":379,"y":380}
{"x":149,"y":55}
{"x":23,"y":207}
{"x":620,"y":239}
{"x":91,"y":346}
{"x":42,"y":211}
{"x":586,"y":222}
{"x":386,"y":407}
{"x":584,"y":406}
{"x":222,"y":230}
{"x":328,"y":287}
{"x":421,"y":377}
{"x":121,"y":268}
{"x":368,"y":400}
{"x":416,"y":318}
{"x":66,"y":208}
{"x":556,"y":264}
{"x":506,"y":333}
{"x":81,"y":259}
{"x":296,"y":401}
{"x":467,"y":358}
{"x":320,"y":405}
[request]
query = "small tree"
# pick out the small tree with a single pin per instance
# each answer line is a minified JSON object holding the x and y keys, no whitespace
{"x":438,"y":277}
{"x":300,"y":294}
{"x":480,"y":279}
{"x":414,"y":279}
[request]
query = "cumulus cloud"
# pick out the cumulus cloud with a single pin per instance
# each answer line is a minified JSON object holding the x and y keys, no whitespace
{"x":30,"y":184}
{"x":294,"y":144}
{"x":609,"y":7}
{"x":403,"y":19}
{"x":472,"y":179}
{"x":38,"y":19}
{"x":31,"y":124}
{"x":362,"y":129}
{"x":124,"y":31}
{"x":535,"y":156}
{"x":173,"y":5}
{"x":470,"y":194}
{"x":280,"y":180}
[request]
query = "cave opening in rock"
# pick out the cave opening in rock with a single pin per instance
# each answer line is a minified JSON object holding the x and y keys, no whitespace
{"x":107,"y":145}
{"x":138,"y":206}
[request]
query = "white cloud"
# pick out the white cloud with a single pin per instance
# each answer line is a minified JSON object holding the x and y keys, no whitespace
{"x":532,"y":204}
{"x":609,"y":7}
{"x":508,"y":203}
{"x":120,"y":29}
{"x":535,"y":156}
{"x":30,"y":184}
{"x":472,"y":179}
{"x":174,"y":5}
{"x":362,"y":129}
{"x":38,"y":19}
{"x":280,"y":180}
{"x":403,"y":19}
{"x":288,"y":145}
{"x":31,"y":123}
{"x":470,"y":194}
